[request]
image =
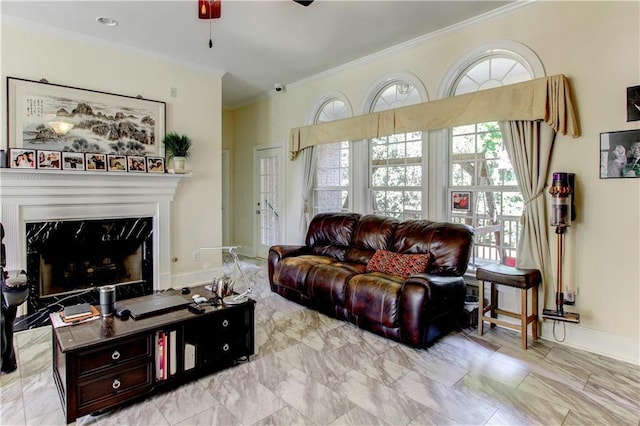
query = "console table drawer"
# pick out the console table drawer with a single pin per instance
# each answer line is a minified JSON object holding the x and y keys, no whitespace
{"x":231,"y":321}
{"x":125,"y":351}
{"x":113,"y":385}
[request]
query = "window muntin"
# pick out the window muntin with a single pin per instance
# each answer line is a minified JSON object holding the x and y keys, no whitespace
{"x":332,"y":175}
{"x":395,"y":161}
{"x":480,"y":167}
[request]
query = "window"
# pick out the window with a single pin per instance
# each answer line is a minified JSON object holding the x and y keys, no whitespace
{"x":396,"y":161}
{"x":482,"y":190}
{"x":332,"y":178}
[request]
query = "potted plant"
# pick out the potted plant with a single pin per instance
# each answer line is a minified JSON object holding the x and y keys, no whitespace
{"x":178,"y":149}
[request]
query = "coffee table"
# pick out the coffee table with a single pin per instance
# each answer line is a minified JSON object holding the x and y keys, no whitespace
{"x":100,"y":364}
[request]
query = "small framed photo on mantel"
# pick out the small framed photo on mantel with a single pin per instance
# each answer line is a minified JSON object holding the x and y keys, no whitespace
{"x":136,"y":164}
{"x":22,"y":158}
{"x":155,"y":164}
{"x":72,"y":160}
{"x":116,"y":163}
{"x":49,"y":160}
{"x":96,"y":162}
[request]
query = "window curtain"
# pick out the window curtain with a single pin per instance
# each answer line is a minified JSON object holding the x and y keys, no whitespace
{"x":547,"y":98}
{"x":529,"y":145}
{"x":308,"y":177}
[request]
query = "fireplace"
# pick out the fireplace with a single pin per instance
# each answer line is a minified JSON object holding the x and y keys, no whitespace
{"x":68,"y":260}
{"x":96,"y":210}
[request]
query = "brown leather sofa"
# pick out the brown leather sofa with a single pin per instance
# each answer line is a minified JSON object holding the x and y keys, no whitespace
{"x":333,"y":274}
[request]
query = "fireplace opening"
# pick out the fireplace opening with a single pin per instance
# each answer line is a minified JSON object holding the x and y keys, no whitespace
{"x":68,"y":260}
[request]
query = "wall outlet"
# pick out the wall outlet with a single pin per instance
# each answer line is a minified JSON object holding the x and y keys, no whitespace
{"x":195,"y":256}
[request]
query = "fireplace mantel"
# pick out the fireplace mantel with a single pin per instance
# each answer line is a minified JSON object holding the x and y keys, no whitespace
{"x":49,"y":195}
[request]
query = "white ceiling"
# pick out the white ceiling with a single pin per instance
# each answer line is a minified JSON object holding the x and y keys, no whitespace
{"x":257,"y":43}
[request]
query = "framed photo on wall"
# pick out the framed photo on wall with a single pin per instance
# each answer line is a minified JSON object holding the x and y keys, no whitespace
{"x":49,"y":116}
{"x":72,"y":161}
{"x":620,"y":154}
{"x":49,"y":160}
{"x":633,"y":103}
{"x":22,"y":158}
{"x":155,"y":164}
{"x":461,"y":201}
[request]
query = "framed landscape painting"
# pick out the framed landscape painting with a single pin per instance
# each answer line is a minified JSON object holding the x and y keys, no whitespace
{"x":54,"y":117}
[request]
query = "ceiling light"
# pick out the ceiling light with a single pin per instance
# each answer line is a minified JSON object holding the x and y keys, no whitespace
{"x":106,"y":21}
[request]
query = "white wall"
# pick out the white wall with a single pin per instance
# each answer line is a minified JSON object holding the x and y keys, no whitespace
{"x":196,"y":112}
{"x":597,"y":45}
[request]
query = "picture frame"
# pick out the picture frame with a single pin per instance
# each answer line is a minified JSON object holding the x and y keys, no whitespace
{"x":42,"y":115}
{"x":72,"y":161}
{"x":633,"y":103}
{"x":155,"y":165}
{"x":116,"y":163}
{"x":136,"y":164}
{"x":48,"y":160}
{"x":95,"y":162}
{"x":620,"y":154}
{"x":22,"y":158}
{"x":461,"y":201}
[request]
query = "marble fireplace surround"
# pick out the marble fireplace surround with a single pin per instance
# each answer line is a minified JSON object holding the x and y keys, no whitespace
{"x":46,"y":195}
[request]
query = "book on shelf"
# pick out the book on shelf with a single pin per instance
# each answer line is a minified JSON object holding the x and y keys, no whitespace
{"x":166,"y":354}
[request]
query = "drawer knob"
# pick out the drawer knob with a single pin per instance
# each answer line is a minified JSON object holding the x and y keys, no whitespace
{"x":225,"y":347}
{"x":115,"y":355}
{"x":225,"y":323}
{"x":116,"y":384}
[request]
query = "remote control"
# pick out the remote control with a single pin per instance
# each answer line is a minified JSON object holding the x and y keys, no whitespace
{"x":195,"y":308}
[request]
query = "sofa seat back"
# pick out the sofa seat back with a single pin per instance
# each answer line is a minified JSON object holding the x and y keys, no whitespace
{"x":330,"y":234}
{"x":449,"y":244}
{"x":371,"y":233}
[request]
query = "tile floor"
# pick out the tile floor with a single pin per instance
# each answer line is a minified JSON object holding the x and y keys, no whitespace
{"x":310,"y":369}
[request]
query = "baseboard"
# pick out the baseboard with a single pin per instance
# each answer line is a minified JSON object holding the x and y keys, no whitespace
{"x":577,"y":335}
{"x":595,"y":341}
{"x":190,"y":279}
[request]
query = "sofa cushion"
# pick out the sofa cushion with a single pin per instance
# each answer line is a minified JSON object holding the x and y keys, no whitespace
{"x":373,"y":298}
{"x":329,"y":234}
{"x":372,"y":232}
{"x":292,"y":272}
{"x":450,"y":244}
{"x":329,"y":282}
{"x":404,"y":265}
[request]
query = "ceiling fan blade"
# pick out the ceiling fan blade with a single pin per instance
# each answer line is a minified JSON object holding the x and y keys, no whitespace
{"x":304,"y":2}
{"x":209,"y":9}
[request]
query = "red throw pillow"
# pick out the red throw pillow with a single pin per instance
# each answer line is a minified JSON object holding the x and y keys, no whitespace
{"x":404,"y":265}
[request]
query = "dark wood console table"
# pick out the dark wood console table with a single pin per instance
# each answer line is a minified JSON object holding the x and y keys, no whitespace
{"x":103,"y":363}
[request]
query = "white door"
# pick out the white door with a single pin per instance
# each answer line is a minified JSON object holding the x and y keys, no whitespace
{"x":269,"y":179}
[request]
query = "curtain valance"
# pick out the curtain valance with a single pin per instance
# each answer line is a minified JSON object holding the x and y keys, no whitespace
{"x":547,"y":98}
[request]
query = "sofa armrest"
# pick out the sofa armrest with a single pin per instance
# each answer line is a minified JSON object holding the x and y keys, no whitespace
{"x":279,"y":252}
{"x":424,"y":297}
